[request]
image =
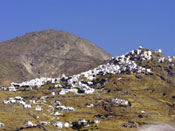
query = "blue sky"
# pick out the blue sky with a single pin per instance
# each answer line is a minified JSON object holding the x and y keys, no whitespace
{"x":117,"y":26}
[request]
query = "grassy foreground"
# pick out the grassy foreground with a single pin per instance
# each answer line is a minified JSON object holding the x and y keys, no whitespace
{"x":151,"y":100}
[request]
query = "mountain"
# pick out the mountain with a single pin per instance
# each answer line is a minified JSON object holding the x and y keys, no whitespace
{"x":47,"y":53}
{"x":127,"y":93}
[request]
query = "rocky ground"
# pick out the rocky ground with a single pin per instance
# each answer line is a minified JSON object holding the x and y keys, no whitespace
{"x":47,"y":53}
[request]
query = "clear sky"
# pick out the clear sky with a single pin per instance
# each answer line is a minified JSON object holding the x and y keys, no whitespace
{"x":117,"y":26}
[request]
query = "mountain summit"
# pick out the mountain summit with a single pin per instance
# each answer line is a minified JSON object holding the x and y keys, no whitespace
{"x":47,"y":53}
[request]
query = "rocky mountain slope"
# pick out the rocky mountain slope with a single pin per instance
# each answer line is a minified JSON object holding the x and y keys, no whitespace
{"x":48,"y":54}
{"x":128,"y":92}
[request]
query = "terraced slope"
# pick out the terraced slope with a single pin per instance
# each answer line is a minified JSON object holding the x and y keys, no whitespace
{"x":121,"y":101}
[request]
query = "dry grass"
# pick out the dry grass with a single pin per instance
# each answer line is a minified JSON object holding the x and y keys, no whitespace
{"x":144,"y":94}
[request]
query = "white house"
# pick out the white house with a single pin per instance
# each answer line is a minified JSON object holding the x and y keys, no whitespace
{"x":38,"y":108}
{"x":21,"y":102}
{"x":12,"y":88}
{"x":57,"y":113}
{"x":19,"y":98}
{"x":52,"y":93}
{"x":45,"y":123}
{"x":28,"y":123}
{"x":96,"y":121}
{"x":58,"y":124}
{"x":120,"y":101}
{"x":27,"y":106}
{"x":159,"y":50}
{"x":1,"y":124}
{"x":6,"y":102}
{"x":66,"y":124}
{"x":90,"y":105}
{"x":12,"y":101}
{"x":65,"y":108}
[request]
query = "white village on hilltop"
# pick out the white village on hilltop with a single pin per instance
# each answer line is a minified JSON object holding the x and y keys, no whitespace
{"x":80,"y":84}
